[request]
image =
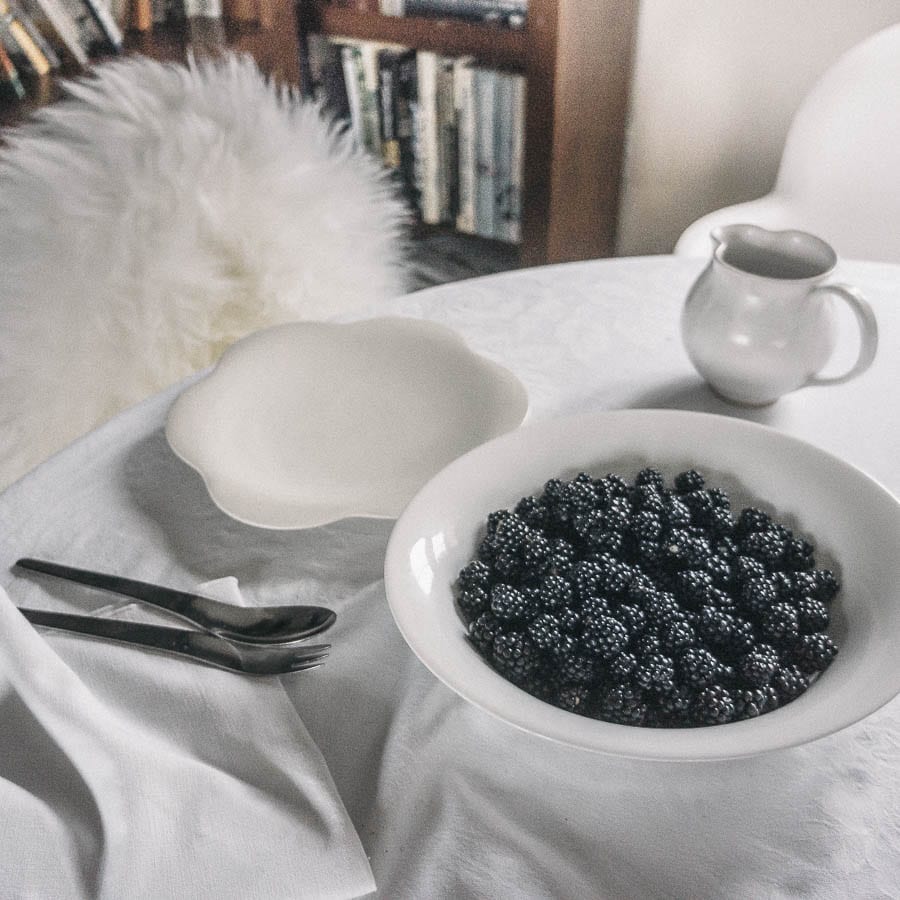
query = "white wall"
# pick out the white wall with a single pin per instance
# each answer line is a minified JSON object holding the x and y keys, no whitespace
{"x":715,"y":85}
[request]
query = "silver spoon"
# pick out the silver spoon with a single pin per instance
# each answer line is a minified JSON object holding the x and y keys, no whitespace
{"x":254,"y":624}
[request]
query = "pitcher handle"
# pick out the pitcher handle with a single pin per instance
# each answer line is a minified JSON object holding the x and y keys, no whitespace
{"x":868,"y":332}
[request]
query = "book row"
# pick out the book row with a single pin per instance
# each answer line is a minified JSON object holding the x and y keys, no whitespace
{"x":510,"y":13}
{"x":451,"y":130}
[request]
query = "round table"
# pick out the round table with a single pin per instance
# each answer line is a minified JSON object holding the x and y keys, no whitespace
{"x":448,"y":802}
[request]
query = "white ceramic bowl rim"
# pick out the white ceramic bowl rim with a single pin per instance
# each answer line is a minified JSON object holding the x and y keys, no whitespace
{"x":850,"y":512}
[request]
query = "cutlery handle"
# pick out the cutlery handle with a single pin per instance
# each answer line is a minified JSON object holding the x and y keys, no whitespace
{"x":156,"y":637}
{"x":179,"y":602}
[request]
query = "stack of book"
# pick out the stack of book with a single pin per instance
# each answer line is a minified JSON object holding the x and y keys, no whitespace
{"x":511,"y":13}
{"x":452,"y":131}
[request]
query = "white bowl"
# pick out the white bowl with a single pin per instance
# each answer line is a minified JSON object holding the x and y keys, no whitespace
{"x":853,"y":522}
{"x":308,"y":422}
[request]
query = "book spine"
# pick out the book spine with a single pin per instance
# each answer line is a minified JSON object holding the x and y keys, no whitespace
{"x":428,"y":144}
{"x":19,"y":38}
{"x":350,"y":57}
{"x":510,"y":12}
{"x":387,"y":105}
{"x":407,"y":94}
{"x":106,"y":23}
{"x":448,"y":158}
{"x":463,"y":102}
{"x":9,"y":74}
{"x":64,"y":24}
{"x":35,"y":34}
{"x":517,"y":164}
{"x":208,"y":9}
{"x":142,"y":15}
{"x":368,"y":63}
{"x":484,"y":84}
{"x":502,"y":154}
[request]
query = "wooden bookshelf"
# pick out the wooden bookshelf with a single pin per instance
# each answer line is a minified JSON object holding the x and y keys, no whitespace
{"x":577,"y":58}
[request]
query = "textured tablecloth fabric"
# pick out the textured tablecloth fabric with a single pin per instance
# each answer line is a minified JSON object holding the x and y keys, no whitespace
{"x":128,"y":774}
{"x":449,"y":802}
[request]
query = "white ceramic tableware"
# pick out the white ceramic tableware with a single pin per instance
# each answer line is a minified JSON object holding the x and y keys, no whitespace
{"x":309,"y":422}
{"x":758,"y":322}
{"x":853,"y":522}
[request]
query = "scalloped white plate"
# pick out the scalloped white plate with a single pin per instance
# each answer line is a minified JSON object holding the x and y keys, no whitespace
{"x":853,"y":522}
{"x":309,"y":422}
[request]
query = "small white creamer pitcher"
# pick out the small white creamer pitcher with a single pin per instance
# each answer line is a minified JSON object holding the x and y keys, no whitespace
{"x":759,"y":321}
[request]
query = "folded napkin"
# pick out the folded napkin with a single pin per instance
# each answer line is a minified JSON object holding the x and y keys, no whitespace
{"x":125,"y":773}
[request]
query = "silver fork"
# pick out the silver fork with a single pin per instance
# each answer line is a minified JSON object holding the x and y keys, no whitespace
{"x":199,"y":646}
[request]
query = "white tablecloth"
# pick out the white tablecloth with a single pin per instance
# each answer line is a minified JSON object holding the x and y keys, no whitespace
{"x":448,"y":802}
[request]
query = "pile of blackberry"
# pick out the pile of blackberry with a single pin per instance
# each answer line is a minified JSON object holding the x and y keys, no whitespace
{"x":646,"y":605}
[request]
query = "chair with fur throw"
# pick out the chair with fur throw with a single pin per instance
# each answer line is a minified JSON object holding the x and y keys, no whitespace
{"x":156,"y":215}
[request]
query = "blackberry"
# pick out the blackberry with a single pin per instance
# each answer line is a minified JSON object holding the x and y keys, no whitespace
{"x":647,"y":498}
{"x":759,"y":665}
{"x":757,"y":596}
{"x":699,"y":503}
{"x":663,"y":609}
{"x":606,"y":542}
{"x":621,"y":667}
{"x":617,"y":514}
{"x":614,"y":485}
{"x":752,"y":519}
{"x":577,"y":669}
{"x":656,"y":671}
{"x":746,"y":569}
{"x":594,"y":608}
{"x":545,"y":631}
{"x":726,"y":547}
{"x":676,"y":705}
{"x":514,"y":654}
{"x":569,"y":619}
{"x":536,"y":551}
{"x":789,"y":683}
{"x":813,"y":653}
{"x":827,"y":585}
{"x":477,"y":574}
{"x":573,"y":698}
{"x":677,"y":636}
{"x":693,"y":587}
{"x":562,"y":554}
{"x":532,"y":511}
{"x":742,"y":638}
{"x":648,"y":644}
{"x":691,"y":480}
{"x":720,"y":521}
{"x":799,"y":555}
{"x":472,"y":602}
{"x":721,"y":598}
{"x":686,"y":549}
{"x":766,"y":546}
{"x":640,"y":589}
{"x":484,"y":629}
{"x":632,"y":617}
{"x":803,"y":584}
{"x":615,"y":575}
{"x":621,"y":704}
{"x":645,"y":525}
{"x":677,"y":514}
{"x":719,"y":498}
{"x":781,"y":624}
{"x":652,"y":478}
{"x":750,"y":703}
{"x":509,"y":604}
{"x":715,"y":626}
{"x":714,"y":705}
{"x":697,"y":667}
{"x":812,"y":615}
{"x":605,"y":637}
{"x":586,"y":577}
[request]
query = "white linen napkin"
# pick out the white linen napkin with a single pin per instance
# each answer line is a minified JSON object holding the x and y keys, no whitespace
{"x":125,"y":773}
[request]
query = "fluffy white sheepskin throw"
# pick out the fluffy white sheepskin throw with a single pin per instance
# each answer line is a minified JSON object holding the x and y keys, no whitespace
{"x":156,"y":215}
